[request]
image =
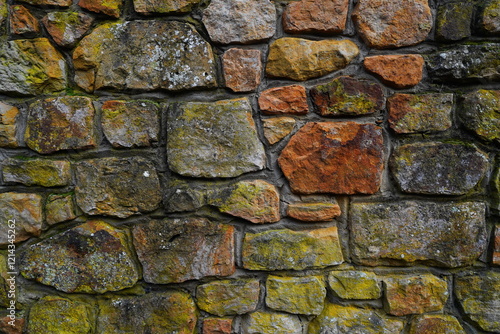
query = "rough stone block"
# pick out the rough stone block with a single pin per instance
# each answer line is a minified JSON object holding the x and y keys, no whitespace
{"x":489,"y":18}
{"x":314,"y":211}
{"x":479,"y":112}
{"x":164,"y":6}
{"x":351,"y":284}
{"x":496,"y":247}
{"x":315,"y":16}
{"x":217,"y":325}
{"x":67,"y":28}
{"x":262,"y":322}
{"x":284,"y":100}
{"x":242,"y":69}
{"x":59,"y":208}
{"x":22,"y":21}
{"x":435,"y":323}
{"x":41,"y":172}
{"x":22,"y":210}
{"x":111,"y":8}
{"x":277,"y":128}
{"x":453,"y":21}
{"x":397,"y":71}
{"x":8,"y":125}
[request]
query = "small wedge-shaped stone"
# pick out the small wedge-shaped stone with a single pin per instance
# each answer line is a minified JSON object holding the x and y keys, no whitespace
{"x":42,"y":172}
{"x":301,"y":59}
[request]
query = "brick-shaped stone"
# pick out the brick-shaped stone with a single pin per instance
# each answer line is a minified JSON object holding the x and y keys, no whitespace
{"x":489,"y":18}
{"x":397,"y":71}
{"x":352,"y":284}
{"x":242,"y":69}
{"x":284,"y":100}
{"x":277,"y":128}
{"x":8,"y":125}
{"x":315,"y":16}
{"x":435,"y":323}
{"x":59,"y":208}
{"x":217,"y":325}
{"x":111,"y":8}
{"x":40,"y":172}
{"x":480,"y":113}
{"x":262,"y":322}
{"x":21,"y":212}
{"x":453,"y":21}
{"x":164,"y":6}
{"x":313,"y":211}
{"x":67,"y":28}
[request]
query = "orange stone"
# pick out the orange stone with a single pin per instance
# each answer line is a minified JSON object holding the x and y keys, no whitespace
{"x":22,"y":21}
{"x":398,"y":71}
{"x":111,"y":7}
{"x":217,"y":325}
{"x":315,"y":16}
{"x":313,"y":212}
{"x":242,"y":69}
{"x":284,"y":100}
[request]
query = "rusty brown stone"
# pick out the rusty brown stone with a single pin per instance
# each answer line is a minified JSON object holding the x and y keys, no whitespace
{"x":398,"y":71}
{"x":110,"y":7}
{"x":217,"y":325}
{"x":242,"y":69}
{"x":315,"y":16}
{"x":6,"y":326}
{"x":284,"y":100}
{"x":313,"y":212}
{"x":22,"y":213}
{"x":8,"y":126}
{"x":435,"y":323}
{"x":67,"y":28}
{"x":22,"y":21}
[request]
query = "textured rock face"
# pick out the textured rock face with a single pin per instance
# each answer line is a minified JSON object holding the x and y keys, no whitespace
{"x":335,"y":157}
{"x":277,"y":128}
{"x":46,"y":173}
{"x":242,"y":69}
{"x":178,"y":58}
{"x":59,"y":208}
{"x":221,"y":137}
{"x":217,"y":325}
{"x":8,"y":125}
{"x":398,"y":71}
{"x":454,"y":21}
{"x":301,"y":59}
{"x":91,"y":258}
{"x":489,"y":19}
{"x":22,"y":21}
{"x":480,"y":113}
{"x":118,"y":187}
{"x":111,"y":8}
{"x":284,"y":100}
{"x":168,"y":6}
{"x":435,"y":323}
{"x":31,"y":67}
{"x":271,"y":322}
{"x":496,"y":247}
{"x":22,"y":210}
{"x":398,"y":233}
{"x":352,"y":284}
{"x":67,"y":28}
{"x":313,"y":212}
{"x":177,"y":250}
{"x":59,"y":3}
{"x":315,"y":16}
{"x":245,"y":21}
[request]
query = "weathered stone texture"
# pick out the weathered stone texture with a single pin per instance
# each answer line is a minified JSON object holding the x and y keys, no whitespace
{"x":217,"y":325}
{"x":438,"y":168}
{"x":111,"y":8}
{"x":435,"y":323}
{"x":67,"y":28}
{"x":93,"y":257}
{"x":315,"y":16}
{"x":8,"y":125}
{"x":242,"y":69}
{"x":397,"y":71}
{"x":25,"y":210}
{"x":22,"y":21}
{"x":164,"y":6}
{"x":454,"y":21}
{"x":42,"y":172}
{"x":245,"y":21}
{"x":59,"y":208}
{"x":408,"y":232}
{"x":221,"y":137}
{"x":8,"y":328}
{"x":480,"y":112}
{"x":351,"y":284}
{"x":334,"y":157}
{"x":262,"y":322}
{"x":177,"y":250}
{"x":277,"y":128}
{"x":301,"y":59}
{"x":154,"y":54}
{"x":118,"y":187}
{"x":489,"y":20}
{"x":313,"y":212}
{"x":59,"y":3}
{"x":496,"y":247}
{"x":297,"y":250}
{"x":284,"y":100}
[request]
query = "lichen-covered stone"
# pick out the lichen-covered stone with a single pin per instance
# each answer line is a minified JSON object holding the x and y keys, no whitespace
{"x":182,"y":197}
{"x":4,"y":284}
{"x":292,"y":250}
{"x":221,"y":137}
{"x":314,"y":211}
{"x":352,"y":284}
{"x":111,"y":8}
{"x":435,"y":323}
{"x":397,"y":71}
{"x":59,"y":3}
{"x":453,"y":21}
{"x":177,"y":250}
{"x":479,"y":296}
{"x":22,"y":21}
{"x":59,"y":208}
{"x":414,"y":113}
{"x":4,"y":15}
{"x":8,"y":125}
{"x":334,"y":157}
{"x":152,"y":313}
{"x":256,"y":201}
{"x":242,"y":69}
{"x":164,"y":6}
{"x":217,"y":325}
{"x":297,"y":295}
{"x":21,"y":212}
{"x":61,"y":123}
{"x":401,"y":24}
{"x":315,"y":16}
{"x":93,"y":257}
{"x":479,"y":112}
{"x":414,"y":294}
{"x":347,"y":96}
{"x":67,"y":28}
{"x":240,"y":21}
{"x":41,"y":172}
{"x":438,"y":168}
{"x":228,"y":297}
{"x":337,"y":319}
{"x":31,"y":67}
{"x":130,"y":123}
{"x":489,"y":19}
{"x":262,"y":322}
{"x":53,"y":314}
{"x":409,"y":232}
{"x":465,"y":63}
{"x":496,"y":247}
{"x":301,"y":59}
{"x":153,"y":54}
{"x":284,"y":100}
{"x":277,"y":128}
{"x":118,"y":187}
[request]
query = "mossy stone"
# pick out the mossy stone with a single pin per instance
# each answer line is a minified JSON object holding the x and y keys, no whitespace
{"x":453,"y":21}
{"x":480,"y":113}
{"x":351,"y":284}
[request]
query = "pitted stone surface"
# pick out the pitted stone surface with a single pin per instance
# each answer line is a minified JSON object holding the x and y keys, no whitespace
{"x":435,"y":323}
{"x":67,"y":28}
{"x":43,"y":172}
{"x":315,"y":16}
{"x":397,"y":71}
{"x":21,"y":212}
{"x":242,"y":69}
{"x":284,"y":100}
{"x":489,"y":20}
{"x":8,"y":125}
{"x":262,"y":322}
{"x":480,"y":113}
{"x":164,"y":6}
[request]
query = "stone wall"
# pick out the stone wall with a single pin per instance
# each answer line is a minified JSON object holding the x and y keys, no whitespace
{"x":250,"y":166}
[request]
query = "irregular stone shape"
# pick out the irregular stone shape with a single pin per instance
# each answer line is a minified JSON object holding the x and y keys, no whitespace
{"x":398,"y":233}
{"x":284,"y":100}
{"x":256,"y":201}
{"x":489,"y":20}
{"x":41,"y":172}
{"x":240,"y":21}
{"x":435,"y":323}
{"x":153,"y":55}
{"x":111,"y":8}
{"x":182,"y":197}
{"x":335,"y":157}
{"x":479,"y":295}
{"x":158,"y":312}
{"x":22,"y":210}
{"x":59,"y":3}
{"x":31,"y":67}
{"x":262,"y":322}
{"x":4,"y":15}
{"x":4,"y":284}
{"x":480,"y":112}
{"x":397,"y":71}
{"x":22,"y":21}
{"x":177,"y":250}
{"x":465,"y":63}
{"x":277,"y":128}
{"x":352,"y":284}
{"x":118,"y":187}
{"x":292,"y":250}
{"x":8,"y":126}
{"x":59,"y":208}
{"x":130,"y":123}
{"x":315,"y":16}
{"x":221,"y":136}
{"x":162,"y":6}
{"x":228,"y":297}
{"x":496,"y":247}
{"x":67,"y":28}
{"x":297,"y":295}
{"x":414,"y":294}
{"x":438,"y":168}
{"x":7,"y":327}
{"x":242,"y":69}
{"x":217,"y":325}
{"x":414,"y":113}
{"x":301,"y":59}
{"x":402,"y":23}
{"x":53,"y":314}
{"x":61,"y":123}
{"x":453,"y":21}
{"x":347,"y":96}
{"x":349,"y":319}
{"x":313,"y":212}
{"x":93,"y":257}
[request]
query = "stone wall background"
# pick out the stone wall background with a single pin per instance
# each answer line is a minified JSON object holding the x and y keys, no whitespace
{"x":244,"y":166}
